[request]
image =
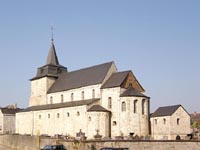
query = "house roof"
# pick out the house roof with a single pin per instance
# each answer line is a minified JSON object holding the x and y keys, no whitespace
{"x":116,"y":79}
{"x":165,"y":111}
{"x":60,"y":105}
{"x":10,"y":110}
{"x":97,"y":108}
{"x":131,"y":91}
{"x":79,"y":78}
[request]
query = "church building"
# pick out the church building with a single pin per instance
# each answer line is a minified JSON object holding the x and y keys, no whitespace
{"x":97,"y":98}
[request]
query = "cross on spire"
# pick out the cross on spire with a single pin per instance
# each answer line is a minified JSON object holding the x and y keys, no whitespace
{"x":52,"y":28}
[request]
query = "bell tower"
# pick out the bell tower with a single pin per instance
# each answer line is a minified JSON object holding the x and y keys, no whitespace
{"x":45,"y":77}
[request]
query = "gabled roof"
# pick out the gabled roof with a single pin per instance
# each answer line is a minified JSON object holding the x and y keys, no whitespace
{"x":97,"y":108}
{"x":165,"y":111}
{"x":60,"y":105}
{"x":131,"y":91}
{"x":115,"y":80}
{"x":83,"y":77}
{"x":10,"y":110}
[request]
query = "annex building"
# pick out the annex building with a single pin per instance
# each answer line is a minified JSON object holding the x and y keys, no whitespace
{"x":97,"y":98}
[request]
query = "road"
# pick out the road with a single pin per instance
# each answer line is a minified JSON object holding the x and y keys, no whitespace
{"x":5,"y":148}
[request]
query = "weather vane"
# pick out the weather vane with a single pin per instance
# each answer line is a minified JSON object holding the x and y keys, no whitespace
{"x":52,"y":28}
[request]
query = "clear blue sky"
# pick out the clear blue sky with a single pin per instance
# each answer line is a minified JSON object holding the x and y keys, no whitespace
{"x":158,"y":40}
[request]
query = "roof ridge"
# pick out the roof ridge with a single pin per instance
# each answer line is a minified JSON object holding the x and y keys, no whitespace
{"x":170,"y":106}
{"x":91,"y":66}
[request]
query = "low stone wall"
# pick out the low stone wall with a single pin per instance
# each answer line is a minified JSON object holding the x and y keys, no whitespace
{"x":21,"y":142}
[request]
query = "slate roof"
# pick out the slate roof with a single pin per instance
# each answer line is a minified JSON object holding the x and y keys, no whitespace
{"x":83,"y":77}
{"x":116,"y":79}
{"x":10,"y":110}
{"x":60,"y":105}
{"x":52,"y":56}
{"x":131,"y":91}
{"x":165,"y":111}
{"x":97,"y":108}
{"x":52,"y":67}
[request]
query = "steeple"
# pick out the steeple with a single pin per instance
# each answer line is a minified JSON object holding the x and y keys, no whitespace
{"x":52,"y":67}
{"x":52,"y":58}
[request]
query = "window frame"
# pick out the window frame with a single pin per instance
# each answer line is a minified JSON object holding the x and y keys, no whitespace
{"x":135,"y":106}
{"x":123,"y":106}
{"x":110,"y":102}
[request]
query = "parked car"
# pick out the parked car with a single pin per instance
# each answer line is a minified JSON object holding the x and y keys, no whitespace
{"x":54,"y":147}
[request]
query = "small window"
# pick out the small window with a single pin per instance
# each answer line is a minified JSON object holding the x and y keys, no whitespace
{"x":123,"y":106}
{"x":78,"y":113}
{"x":178,"y":121}
{"x":93,"y":93}
{"x":155,"y":121}
{"x":135,"y":106}
{"x":72,"y":96}
{"x":89,"y":118}
{"x":40,"y":116}
{"x":62,"y":98}
{"x":83,"y":95}
{"x":58,"y":115}
{"x":49,"y":115}
{"x":51,"y":100}
{"x":164,"y":121}
{"x":114,"y":123}
{"x":109,"y":102}
{"x":68,"y":114}
{"x":41,"y":71}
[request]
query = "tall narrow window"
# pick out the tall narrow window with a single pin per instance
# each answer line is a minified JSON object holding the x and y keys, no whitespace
{"x":109,"y":102}
{"x":40,"y":117}
{"x":51,"y":100}
{"x":93,"y":93}
{"x":164,"y":121}
{"x":62,"y":98}
{"x":178,"y":121}
{"x":58,"y":115}
{"x":72,"y":96}
{"x":82,"y":95}
{"x":135,"y":106}
{"x":48,"y":115}
{"x":143,"y":102}
{"x":155,"y":121}
{"x":123,"y":106}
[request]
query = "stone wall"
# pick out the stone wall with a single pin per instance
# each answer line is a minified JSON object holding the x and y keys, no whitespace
{"x":9,"y":123}
{"x":19,"y":142}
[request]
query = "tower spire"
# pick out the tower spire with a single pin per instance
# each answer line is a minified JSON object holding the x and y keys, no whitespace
{"x":52,"y":33}
{"x":52,"y":56}
{"x":52,"y":68}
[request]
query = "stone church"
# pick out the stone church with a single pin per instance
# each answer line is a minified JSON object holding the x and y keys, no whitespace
{"x":97,"y":98}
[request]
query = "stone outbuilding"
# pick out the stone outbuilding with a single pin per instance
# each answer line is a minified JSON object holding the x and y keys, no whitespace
{"x":170,"y":122}
{"x":7,"y":119}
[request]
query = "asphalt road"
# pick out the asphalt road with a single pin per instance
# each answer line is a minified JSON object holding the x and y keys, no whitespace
{"x":5,"y":148}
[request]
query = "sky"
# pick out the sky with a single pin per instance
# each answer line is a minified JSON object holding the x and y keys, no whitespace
{"x":159,"y":40}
